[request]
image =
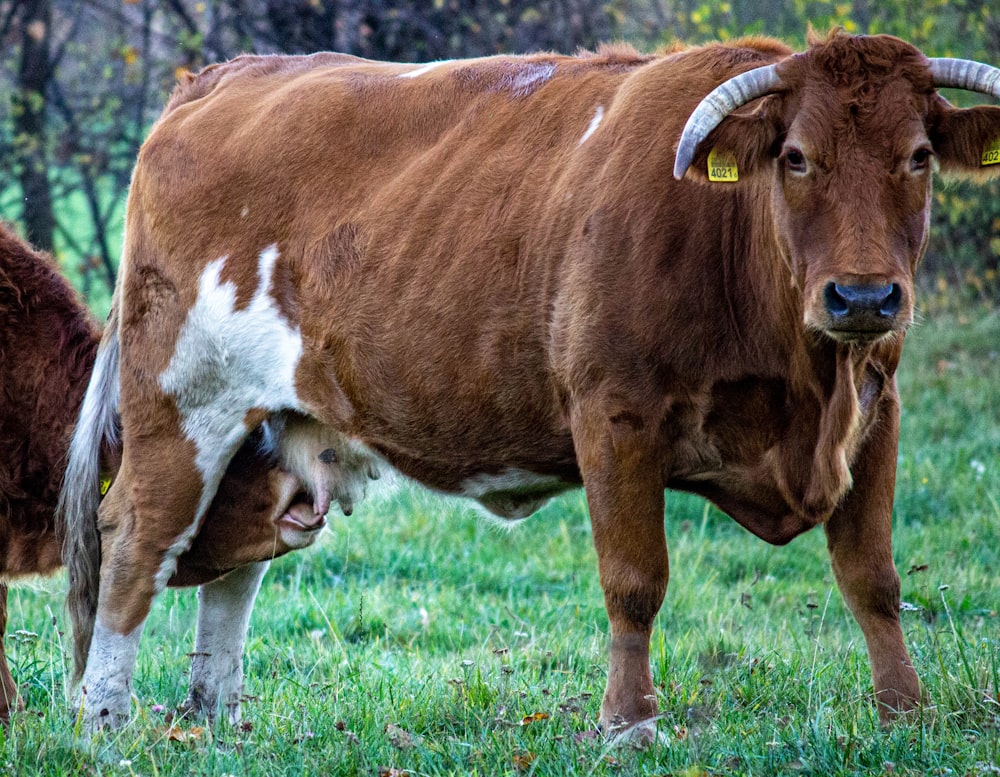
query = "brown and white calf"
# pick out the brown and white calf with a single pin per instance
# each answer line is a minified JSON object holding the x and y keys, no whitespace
{"x":48,"y":342}
{"x":511,"y":276}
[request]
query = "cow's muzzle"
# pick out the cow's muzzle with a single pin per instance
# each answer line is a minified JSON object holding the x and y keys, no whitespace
{"x":862,"y":311}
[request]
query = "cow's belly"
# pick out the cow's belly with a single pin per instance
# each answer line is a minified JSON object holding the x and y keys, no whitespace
{"x":510,"y":478}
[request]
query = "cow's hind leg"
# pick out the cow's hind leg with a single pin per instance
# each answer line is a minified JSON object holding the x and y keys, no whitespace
{"x":224,"y":608}
{"x":859,"y":537}
{"x":149,"y":517}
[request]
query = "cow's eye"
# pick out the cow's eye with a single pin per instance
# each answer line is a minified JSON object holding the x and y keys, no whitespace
{"x":921,"y":159}
{"x":795,"y":160}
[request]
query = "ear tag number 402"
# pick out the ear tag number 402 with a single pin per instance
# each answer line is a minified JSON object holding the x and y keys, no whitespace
{"x":991,"y":154}
{"x":722,"y":166}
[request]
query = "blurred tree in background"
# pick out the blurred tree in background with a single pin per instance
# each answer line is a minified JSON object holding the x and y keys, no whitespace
{"x":84,"y":79}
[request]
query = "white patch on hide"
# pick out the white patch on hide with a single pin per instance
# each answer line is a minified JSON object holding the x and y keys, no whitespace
{"x":512,"y":494}
{"x":530,"y":78}
{"x":511,"y":479}
{"x":424,"y":69}
{"x":594,"y":124}
{"x":226,"y":362}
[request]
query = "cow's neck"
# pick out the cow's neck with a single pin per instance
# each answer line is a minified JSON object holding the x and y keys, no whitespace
{"x":831,"y":389}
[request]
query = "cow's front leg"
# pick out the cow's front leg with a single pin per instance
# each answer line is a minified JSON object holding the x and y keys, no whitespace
{"x":224,"y":608}
{"x":622,"y":477}
{"x":859,"y":537}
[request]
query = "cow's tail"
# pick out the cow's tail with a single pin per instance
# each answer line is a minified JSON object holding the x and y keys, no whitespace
{"x":82,"y":488}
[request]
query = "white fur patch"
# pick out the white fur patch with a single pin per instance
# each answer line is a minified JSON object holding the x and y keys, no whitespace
{"x":424,"y":69}
{"x":594,"y":124}
{"x":107,"y":680}
{"x":530,"y":78}
{"x":226,"y":362}
{"x":513,"y":494}
{"x":510,"y":480}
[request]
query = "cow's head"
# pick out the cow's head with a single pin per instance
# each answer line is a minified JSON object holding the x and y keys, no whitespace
{"x":848,"y":134}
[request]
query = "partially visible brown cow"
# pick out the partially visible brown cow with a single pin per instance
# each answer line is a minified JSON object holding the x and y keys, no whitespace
{"x":48,"y":343}
{"x":484,"y":273}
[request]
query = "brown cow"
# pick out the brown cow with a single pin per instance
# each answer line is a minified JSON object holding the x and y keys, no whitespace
{"x":483,"y":273}
{"x":48,"y":342}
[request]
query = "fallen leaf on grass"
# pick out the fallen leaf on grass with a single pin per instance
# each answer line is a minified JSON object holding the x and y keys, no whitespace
{"x":178,"y":734}
{"x":534,"y":717}
{"x":391,"y":771}
{"x":523,"y":761}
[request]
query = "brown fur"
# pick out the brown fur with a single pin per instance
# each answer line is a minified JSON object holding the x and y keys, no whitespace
{"x":47,"y":346}
{"x":479,"y":290}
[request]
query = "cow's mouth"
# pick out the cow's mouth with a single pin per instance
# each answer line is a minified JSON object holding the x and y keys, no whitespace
{"x":860,"y":336}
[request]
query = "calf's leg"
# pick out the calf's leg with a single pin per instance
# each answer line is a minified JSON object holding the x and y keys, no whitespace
{"x":859,"y":538}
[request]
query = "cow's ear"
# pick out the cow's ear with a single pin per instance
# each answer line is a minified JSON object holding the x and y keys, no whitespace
{"x":966,"y":140}
{"x":740,"y":147}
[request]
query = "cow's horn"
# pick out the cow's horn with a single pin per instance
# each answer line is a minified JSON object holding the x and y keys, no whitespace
{"x":966,"y":74}
{"x":719,"y":103}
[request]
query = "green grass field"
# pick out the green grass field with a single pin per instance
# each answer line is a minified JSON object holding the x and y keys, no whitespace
{"x":416,"y":638}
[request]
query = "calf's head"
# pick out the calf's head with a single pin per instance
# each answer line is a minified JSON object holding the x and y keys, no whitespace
{"x":845,"y":138}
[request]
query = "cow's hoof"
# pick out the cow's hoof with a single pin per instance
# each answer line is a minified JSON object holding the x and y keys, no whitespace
{"x":90,"y":722}
{"x":97,"y":712}
{"x":638,"y":735}
{"x":198,"y":707}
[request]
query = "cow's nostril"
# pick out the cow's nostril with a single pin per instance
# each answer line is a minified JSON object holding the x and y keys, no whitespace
{"x":836,"y":303}
{"x":891,"y":301}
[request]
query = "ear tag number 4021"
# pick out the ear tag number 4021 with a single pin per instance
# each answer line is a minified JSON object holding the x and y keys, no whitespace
{"x":722,"y":166}
{"x":991,"y":154}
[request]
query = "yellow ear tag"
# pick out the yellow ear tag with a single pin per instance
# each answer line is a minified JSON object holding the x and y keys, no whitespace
{"x":991,"y":154}
{"x":722,"y":166}
{"x":105,"y":485}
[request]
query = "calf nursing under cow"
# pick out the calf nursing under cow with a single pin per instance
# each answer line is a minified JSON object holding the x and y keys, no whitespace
{"x":48,"y":342}
{"x":509,"y":276}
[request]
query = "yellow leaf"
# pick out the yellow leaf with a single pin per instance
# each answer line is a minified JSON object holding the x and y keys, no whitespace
{"x":177,"y":734}
{"x":533,"y":718}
